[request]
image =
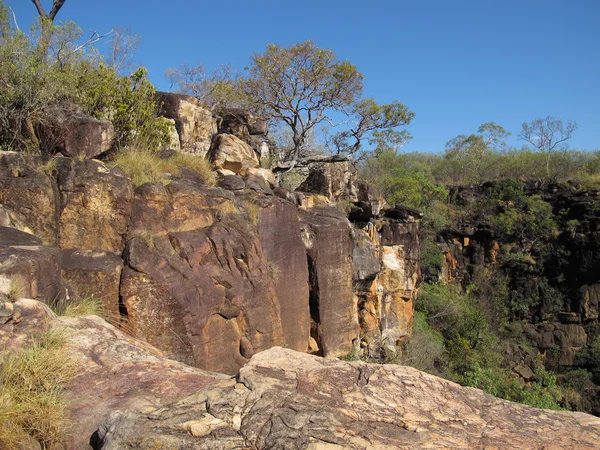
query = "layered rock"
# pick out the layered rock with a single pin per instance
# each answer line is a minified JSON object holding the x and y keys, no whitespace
{"x":194,"y":123}
{"x":284,"y":399}
{"x":87,"y":138}
{"x":29,"y":196}
{"x":198,"y":284}
{"x":327,"y":236}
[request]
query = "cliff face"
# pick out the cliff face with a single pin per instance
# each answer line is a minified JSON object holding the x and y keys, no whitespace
{"x":213,"y":275}
{"x":556,"y":282}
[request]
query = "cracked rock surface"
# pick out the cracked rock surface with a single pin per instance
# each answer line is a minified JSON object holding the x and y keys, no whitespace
{"x":288,"y":400}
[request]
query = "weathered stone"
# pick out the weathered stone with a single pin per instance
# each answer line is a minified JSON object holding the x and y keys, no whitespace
{"x":279,"y":234}
{"x":266,"y":174}
{"x":240,"y":122}
{"x":333,"y":180}
{"x":590,"y":301}
{"x":94,"y":275}
{"x":327,"y":237}
{"x":28,"y":196}
{"x":96,"y":205}
{"x":285,"y":399}
{"x":35,"y":269}
{"x":523,"y":371}
{"x":194,"y":123}
{"x":229,"y":152}
{"x":199,"y":282}
{"x":174,"y":141}
{"x":365,"y":259}
{"x":232,"y":182}
{"x":114,"y":370}
{"x":87,"y":137}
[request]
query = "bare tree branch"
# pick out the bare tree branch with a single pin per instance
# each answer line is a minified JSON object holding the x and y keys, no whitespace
{"x":14,"y":18}
{"x":39,"y":7}
{"x":57,"y":4}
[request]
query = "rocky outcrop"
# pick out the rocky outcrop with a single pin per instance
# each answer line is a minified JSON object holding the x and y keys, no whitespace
{"x":87,"y":138}
{"x":327,"y":236}
{"x":210,"y":276}
{"x":284,"y":399}
{"x":95,"y":206}
{"x":114,"y":370}
{"x":231,"y":153}
{"x":198,"y":284}
{"x":336,"y":181}
{"x":194,"y":123}
{"x":29,"y":196}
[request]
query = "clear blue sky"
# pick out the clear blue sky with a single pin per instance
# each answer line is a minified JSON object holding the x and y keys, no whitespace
{"x":456,"y":64}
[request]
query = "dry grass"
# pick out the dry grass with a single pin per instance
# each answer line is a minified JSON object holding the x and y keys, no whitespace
{"x":16,"y":289}
{"x":31,"y":401}
{"x":253,"y":211}
{"x":143,"y":166}
{"x":89,"y":306}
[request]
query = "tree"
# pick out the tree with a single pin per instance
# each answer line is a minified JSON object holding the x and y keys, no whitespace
{"x":548,"y":135}
{"x":471,"y":151}
{"x":47,"y":24}
{"x":376,"y":123}
{"x":300,"y":86}
{"x":222,"y":87}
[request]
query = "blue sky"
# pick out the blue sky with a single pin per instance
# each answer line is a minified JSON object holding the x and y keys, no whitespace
{"x":456,"y":64}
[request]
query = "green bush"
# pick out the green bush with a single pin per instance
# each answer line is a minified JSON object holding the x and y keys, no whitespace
{"x":40,"y":95}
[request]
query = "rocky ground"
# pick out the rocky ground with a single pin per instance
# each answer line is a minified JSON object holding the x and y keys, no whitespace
{"x":127,"y":395}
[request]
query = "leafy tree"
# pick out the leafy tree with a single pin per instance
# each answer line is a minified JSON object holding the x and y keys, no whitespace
{"x":38,"y":97}
{"x":302,"y":85}
{"x":548,"y":135}
{"x":299,"y":86}
{"x":375,"y":123}
{"x":472,"y":151}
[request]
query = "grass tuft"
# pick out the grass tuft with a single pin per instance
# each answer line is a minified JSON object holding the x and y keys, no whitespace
{"x":31,"y":385}
{"x":143,"y":166}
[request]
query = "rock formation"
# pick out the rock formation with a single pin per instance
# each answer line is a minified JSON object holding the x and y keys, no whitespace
{"x":127,"y":395}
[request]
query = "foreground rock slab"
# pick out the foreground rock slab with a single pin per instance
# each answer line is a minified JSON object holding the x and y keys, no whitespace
{"x":289,"y":400}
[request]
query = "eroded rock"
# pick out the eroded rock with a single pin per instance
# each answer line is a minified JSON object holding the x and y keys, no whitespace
{"x":290,"y":400}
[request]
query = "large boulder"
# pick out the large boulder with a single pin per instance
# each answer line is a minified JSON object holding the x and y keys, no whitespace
{"x":33,"y":268}
{"x":334,"y":180}
{"x":241,"y":122}
{"x":94,"y":275}
{"x":29,"y":196}
{"x":229,"y":152}
{"x":194,"y":123}
{"x":284,"y":399}
{"x":86,"y":137}
{"x":95,"y":206}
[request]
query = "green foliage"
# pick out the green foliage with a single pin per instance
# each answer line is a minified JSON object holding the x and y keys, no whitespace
{"x":404,"y":179}
{"x":425,"y":347}
{"x":431,"y":260}
{"x":458,"y":342}
{"x":130,"y":104}
{"x":39,"y":96}
{"x":543,"y":392}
